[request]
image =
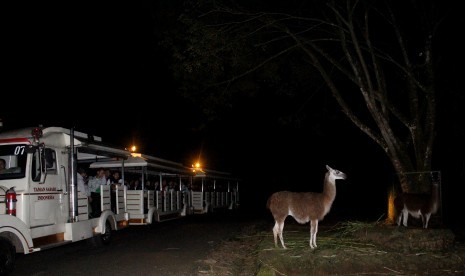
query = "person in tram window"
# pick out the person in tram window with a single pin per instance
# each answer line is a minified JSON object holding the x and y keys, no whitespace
{"x":148,"y":185}
{"x":94,"y":187}
{"x":136,"y":185}
{"x":108,"y":177}
{"x":127,"y":184}
{"x":171,"y":186}
{"x":164,"y":186}
{"x":184,"y":188}
{"x":83,"y":186}
{"x":116,"y":178}
{"x":113,"y":181}
{"x":82,"y":181}
{"x":155,"y":185}
{"x":133,"y":184}
{"x":2,"y":164}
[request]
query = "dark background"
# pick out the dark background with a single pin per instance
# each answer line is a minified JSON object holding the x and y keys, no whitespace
{"x":98,"y":68}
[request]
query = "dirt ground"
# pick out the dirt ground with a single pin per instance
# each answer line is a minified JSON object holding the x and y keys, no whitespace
{"x":349,"y":248}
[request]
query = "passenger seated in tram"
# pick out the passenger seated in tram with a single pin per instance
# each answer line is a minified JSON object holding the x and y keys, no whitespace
{"x":164,"y":185}
{"x":117,"y":178}
{"x":2,"y":164}
{"x":94,"y":187}
{"x":184,"y":188}
{"x":172,"y":186}
{"x":135,"y":185}
{"x":148,"y":185}
{"x":83,"y":186}
{"x":114,"y":180}
{"x":108,"y":176}
{"x":156,"y":185}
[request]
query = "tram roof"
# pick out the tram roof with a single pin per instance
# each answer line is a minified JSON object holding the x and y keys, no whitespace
{"x":159,"y":165}
{"x":142,"y":161}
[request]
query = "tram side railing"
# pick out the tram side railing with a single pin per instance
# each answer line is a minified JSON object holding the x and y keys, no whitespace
{"x":105,"y":200}
{"x":83,"y":206}
{"x":120,"y":199}
{"x":137,"y":202}
{"x":197,"y":202}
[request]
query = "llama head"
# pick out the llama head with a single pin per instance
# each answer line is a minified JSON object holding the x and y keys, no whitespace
{"x":336,"y":174}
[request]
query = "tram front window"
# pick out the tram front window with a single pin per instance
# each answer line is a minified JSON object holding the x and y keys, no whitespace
{"x":13,"y":161}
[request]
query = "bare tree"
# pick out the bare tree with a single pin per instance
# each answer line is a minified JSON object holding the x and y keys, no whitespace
{"x":376,"y":58}
{"x":396,"y":87}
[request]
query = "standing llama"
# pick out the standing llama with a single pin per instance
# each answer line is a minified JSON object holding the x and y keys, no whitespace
{"x":303,"y":207}
{"x":417,"y":205}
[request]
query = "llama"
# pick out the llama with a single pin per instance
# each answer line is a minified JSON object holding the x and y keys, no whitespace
{"x":303,"y":207}
{"x":417,"y":205}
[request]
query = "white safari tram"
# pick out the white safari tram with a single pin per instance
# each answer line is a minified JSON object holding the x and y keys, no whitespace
{"x":41,"y":206}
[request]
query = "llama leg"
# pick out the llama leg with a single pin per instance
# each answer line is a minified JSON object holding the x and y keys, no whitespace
{"x":281,"y":227}
{"x":278,"y":231}
{"x":311,"y":236}
{"x":405,"y":216}
{"x":399,"y":218}
{"x":275,"y":233}
{"x":313,"y":231}
{"x":426,"y":219}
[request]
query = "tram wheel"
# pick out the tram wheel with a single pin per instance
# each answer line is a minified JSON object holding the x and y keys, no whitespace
{"x":7,"y":256}
{"x":106,"y":235}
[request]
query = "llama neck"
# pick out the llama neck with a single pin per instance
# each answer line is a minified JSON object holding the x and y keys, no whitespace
{"x":329,"y":189}
{"x":329,"y":193}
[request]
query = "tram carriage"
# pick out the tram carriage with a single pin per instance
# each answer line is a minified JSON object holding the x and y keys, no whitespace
{"x":41,"y":206}
{"x":194,"y":191}
{"x":213,"y":190}
{"x":150,"y":203}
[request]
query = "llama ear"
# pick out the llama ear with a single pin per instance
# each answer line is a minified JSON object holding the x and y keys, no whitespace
{"x":328,"y":168}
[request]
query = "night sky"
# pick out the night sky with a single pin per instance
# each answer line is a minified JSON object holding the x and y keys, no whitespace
{"x":98,"y":68}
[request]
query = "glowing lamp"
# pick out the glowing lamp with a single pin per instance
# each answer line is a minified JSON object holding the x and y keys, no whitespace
{"x":36,"y":133}
{"x":196,"y":167}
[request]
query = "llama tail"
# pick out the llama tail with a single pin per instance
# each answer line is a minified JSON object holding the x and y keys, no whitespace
{"x":268,"y":203}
